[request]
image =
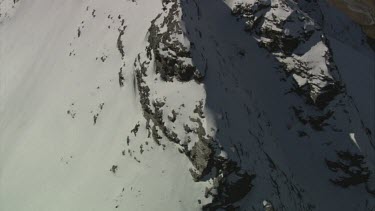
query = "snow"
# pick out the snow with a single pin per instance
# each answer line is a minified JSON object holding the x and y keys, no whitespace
{"x":51,"y":161}
{"x":65,"y":126}
{"x":352,"y":137}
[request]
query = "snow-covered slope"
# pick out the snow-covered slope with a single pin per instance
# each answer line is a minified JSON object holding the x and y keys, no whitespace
{"x":184,"y":105}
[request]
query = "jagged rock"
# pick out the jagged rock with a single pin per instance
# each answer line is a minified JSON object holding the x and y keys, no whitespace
{"x":120,"y":45}
{"x":172,"y":117}
{"x":172,"y":57}
{"x":267,"y":206}
{"x":282,"y":33}
{"x":229,"y":187}
{"x":201,"y":157}
{"x":351,"y":167}
{"x":199,"y":109}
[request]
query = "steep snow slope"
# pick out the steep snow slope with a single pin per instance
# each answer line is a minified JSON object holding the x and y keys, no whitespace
{"x":54,"y":155}
{"x":184,"y":105}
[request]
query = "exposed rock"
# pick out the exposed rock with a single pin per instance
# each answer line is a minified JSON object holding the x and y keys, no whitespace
{"x":114,"y":169}
{"x":172,"y":57}
{"x":352,"y":168}
{"x":230,"y":186}
{"x":267,"y":206}
{"x":135,"y":129}
{"x":199,"y":109}
{"x":285,"y":30}
{"x":120,"y":45}
{"x":201,"y":157}
{"x":172,"y":117}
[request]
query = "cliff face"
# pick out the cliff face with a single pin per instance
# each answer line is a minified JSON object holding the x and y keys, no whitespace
{"x":361,"y":11}
{"x":184,"y":105}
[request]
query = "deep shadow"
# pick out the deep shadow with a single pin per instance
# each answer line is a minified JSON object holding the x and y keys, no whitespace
{"x":249,"y":99}
{"x":244,"y":88}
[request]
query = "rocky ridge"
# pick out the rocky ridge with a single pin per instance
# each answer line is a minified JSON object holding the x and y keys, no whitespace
{"x":297,"y":42}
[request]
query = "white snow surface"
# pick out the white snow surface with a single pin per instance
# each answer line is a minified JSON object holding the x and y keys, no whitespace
{"x":51,"y":161}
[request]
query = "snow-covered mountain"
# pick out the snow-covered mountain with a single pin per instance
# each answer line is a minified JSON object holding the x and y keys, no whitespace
{"x":185,"y":105}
